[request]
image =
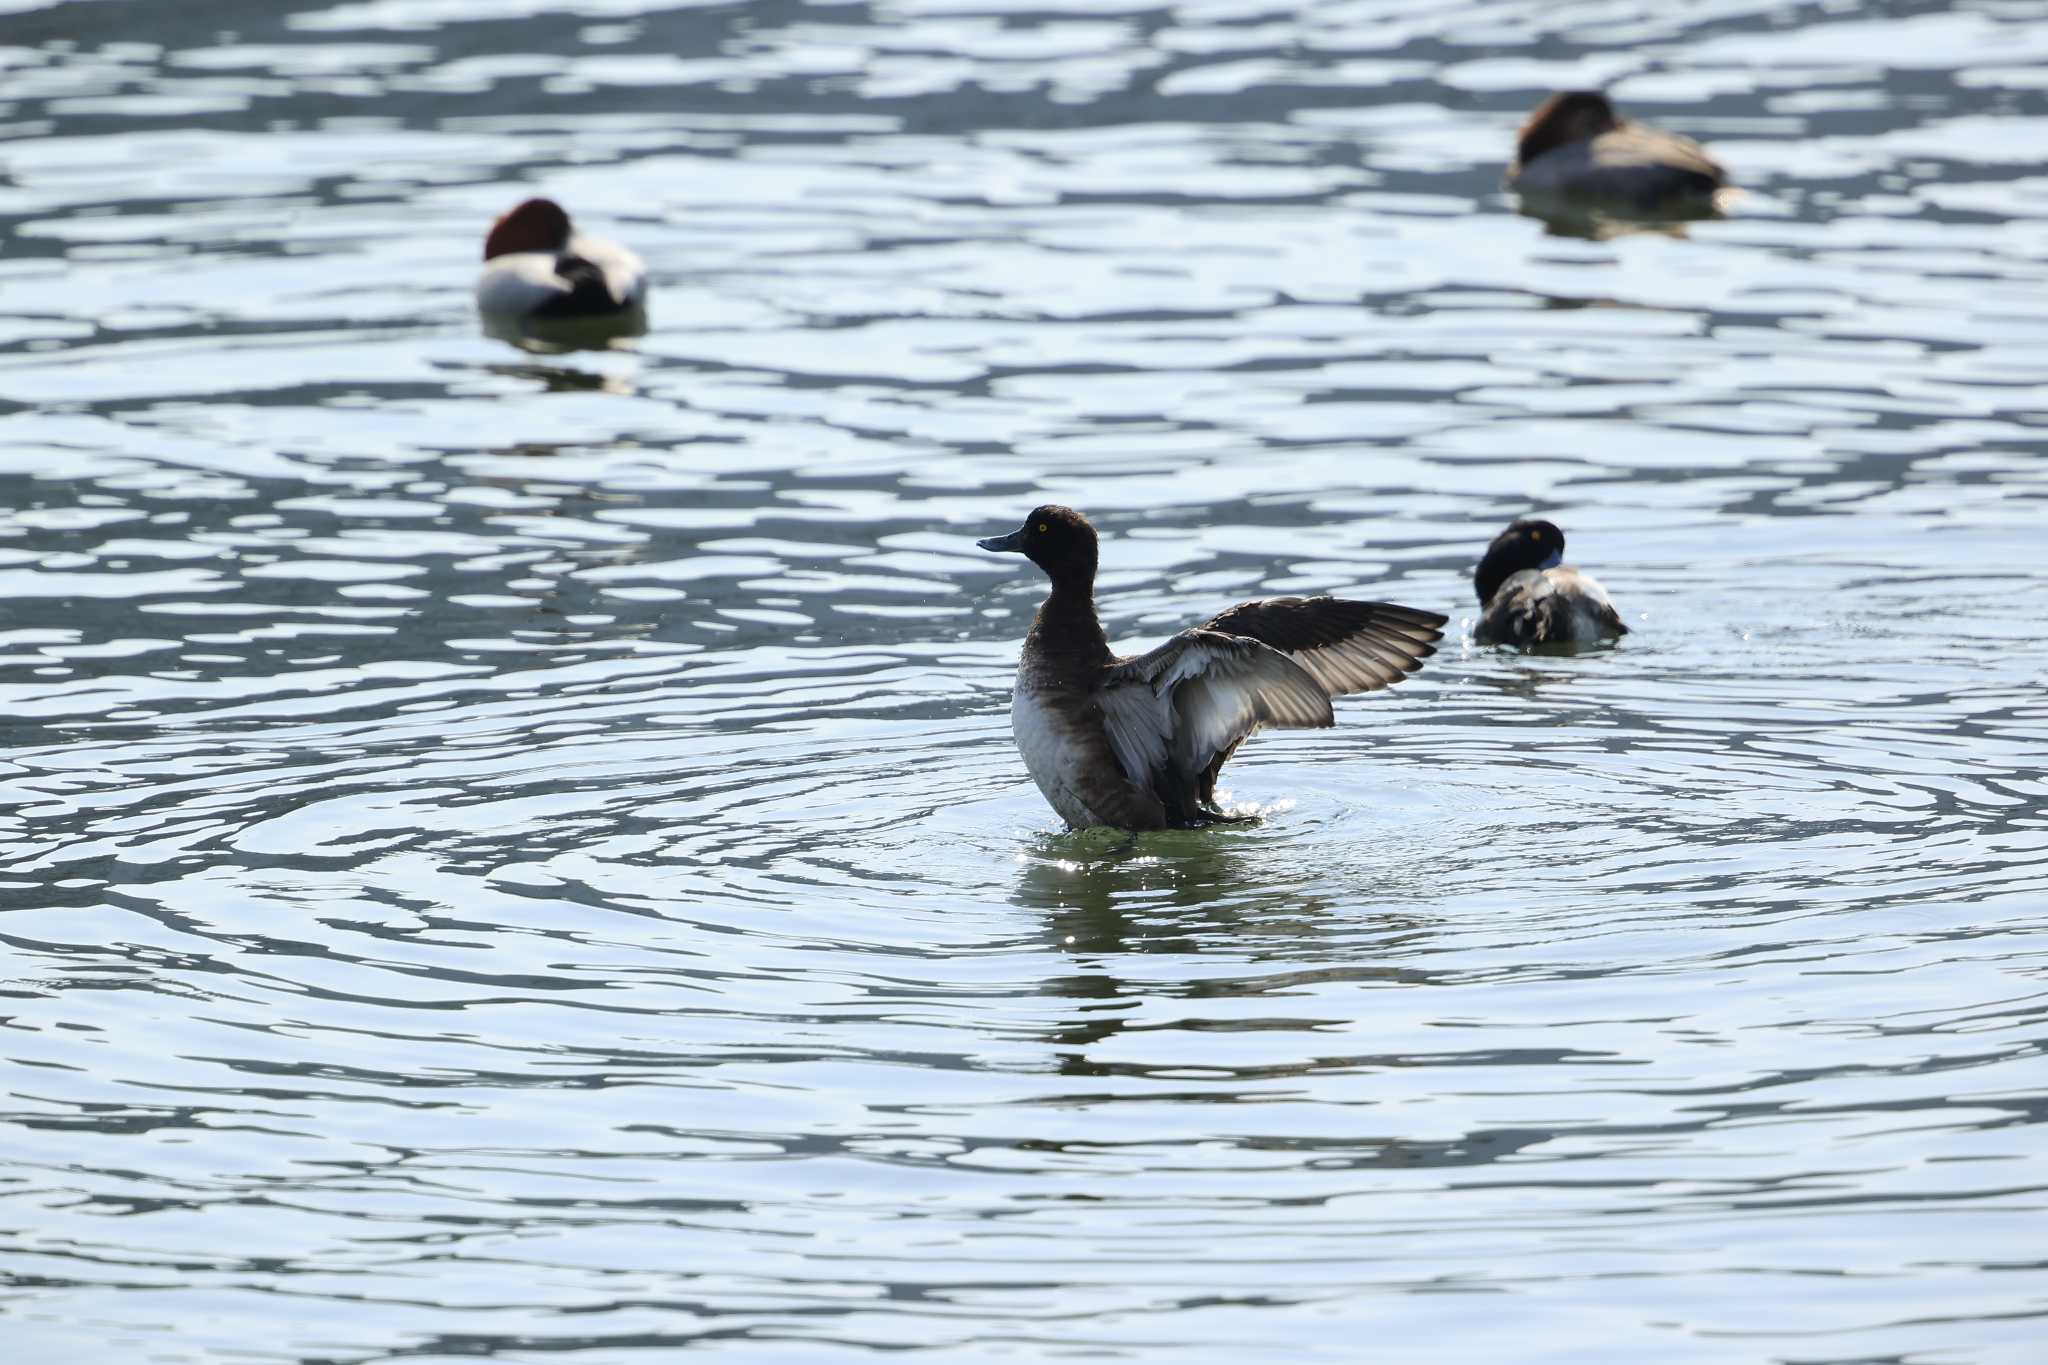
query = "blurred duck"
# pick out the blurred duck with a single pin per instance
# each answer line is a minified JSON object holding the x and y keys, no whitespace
{"x":1136,"y":742}
{"x":1528,"y":597}
{"x":1576,"y":157}
{"x":543,"y":280}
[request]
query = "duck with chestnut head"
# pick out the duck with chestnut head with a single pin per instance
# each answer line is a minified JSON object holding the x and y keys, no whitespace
{"x":1575,"y":155}
{"x":545,"y":281}
{"x":1528,"y":596}
{"x":1136,"y":741}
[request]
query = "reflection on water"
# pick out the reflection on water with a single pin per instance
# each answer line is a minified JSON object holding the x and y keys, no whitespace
{"x":556,"y":336}
{"x":561,"y":379}
{"x":523,"y":855}
{"x":1563,"y":219}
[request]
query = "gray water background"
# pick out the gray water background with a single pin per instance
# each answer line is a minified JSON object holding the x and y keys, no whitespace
{"x":522,"y":856}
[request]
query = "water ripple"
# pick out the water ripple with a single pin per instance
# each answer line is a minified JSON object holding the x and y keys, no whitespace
{"x":506,"y":855}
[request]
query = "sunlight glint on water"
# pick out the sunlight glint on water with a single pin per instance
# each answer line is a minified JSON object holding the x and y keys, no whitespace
{"x":523,"y":856}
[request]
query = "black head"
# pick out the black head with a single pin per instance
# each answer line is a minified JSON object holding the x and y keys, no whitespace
{"x":1058,"y":540}
{"x":1572,"y":116}
{"x":1527,"y":544}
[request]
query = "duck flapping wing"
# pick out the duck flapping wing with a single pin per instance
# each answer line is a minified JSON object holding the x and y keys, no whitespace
{"x":1173,"y":712}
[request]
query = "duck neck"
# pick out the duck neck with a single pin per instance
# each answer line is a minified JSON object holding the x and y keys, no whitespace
{"x":1067,"y":623}
{"x":1535,"y":143}
{"x":1073,"y":577}
{"x":1488,"y":577}
{"x":1562,"y":120}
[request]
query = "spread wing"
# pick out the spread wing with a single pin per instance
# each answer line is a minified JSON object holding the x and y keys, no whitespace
{"x":1345,"y":646}
{"x":1172,"y":713}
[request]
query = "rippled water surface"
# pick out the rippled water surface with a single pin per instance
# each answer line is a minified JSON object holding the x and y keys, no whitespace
{"x":522,"y":855}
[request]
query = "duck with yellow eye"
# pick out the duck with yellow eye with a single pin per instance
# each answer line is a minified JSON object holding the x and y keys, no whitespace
{"x":1528,"y":596}
{"x":1136,"y":741}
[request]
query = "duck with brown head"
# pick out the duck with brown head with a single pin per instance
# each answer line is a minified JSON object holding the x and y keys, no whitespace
{"x":544,"y":280}
{"x":1136,"y":742}
{"x":1574,"y":154}
{"x":1529,"y":597}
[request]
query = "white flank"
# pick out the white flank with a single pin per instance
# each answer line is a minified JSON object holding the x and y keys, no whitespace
{"x":1048,"y":756}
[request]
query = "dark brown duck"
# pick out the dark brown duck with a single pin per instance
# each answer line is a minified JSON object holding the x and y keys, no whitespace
{"x":1137,"y":741}
{"x":1575,"y":152}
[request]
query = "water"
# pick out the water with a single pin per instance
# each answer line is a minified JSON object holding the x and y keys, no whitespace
{"x":522,"y":856}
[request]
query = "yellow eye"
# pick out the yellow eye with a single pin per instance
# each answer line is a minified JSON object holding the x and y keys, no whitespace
{"x":1041,"y":528}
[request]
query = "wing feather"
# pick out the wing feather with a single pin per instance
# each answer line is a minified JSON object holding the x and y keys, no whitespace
{"x":1345,"y":646}
{"x":1633,"y":145}
{"x":1174,"y":715}
{"x":1173,"y":712}
{"x":1632,"y":167}
{"x":625,"y":277}
{"x":521,"y":283}
{"x":1549,"y":606}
